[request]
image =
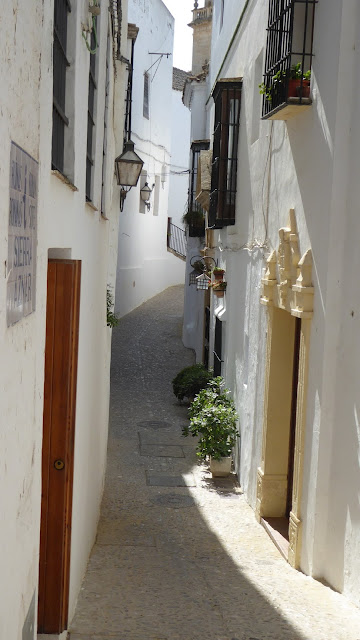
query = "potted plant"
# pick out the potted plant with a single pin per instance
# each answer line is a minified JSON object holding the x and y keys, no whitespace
{"x":199,"y":266}
{"x":190,"y":380}
{"x":298,"y":83}
{"x":195,"y":220}
{"x":306,"y":84}
{"x":213,"y":419}
{"x":294,"y":80}
{"x":218,"y":273}
{"x":219,"y":288}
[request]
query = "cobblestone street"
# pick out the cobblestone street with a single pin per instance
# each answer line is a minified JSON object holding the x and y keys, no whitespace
{"x":177,"y":556}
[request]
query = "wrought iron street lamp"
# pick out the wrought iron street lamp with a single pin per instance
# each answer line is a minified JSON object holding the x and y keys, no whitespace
{"x":145,"y":193}
{"x":127,"y":168}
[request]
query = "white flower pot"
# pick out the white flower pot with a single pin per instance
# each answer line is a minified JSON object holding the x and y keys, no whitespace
{"x":220,"y":468}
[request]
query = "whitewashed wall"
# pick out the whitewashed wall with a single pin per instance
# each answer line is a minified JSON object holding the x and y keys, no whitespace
{"x":145,"y":267}
{"x":180,"y":141}
{"x":67,"y":227}
{"x":22,"y":345}
{"x":309,"y":164}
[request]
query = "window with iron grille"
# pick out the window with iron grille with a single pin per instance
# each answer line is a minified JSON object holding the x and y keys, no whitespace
{"x":60,"y":63}
{"x":106,"y":117}
{"x":288,"y":54}
{"x":227,"y":98}
{"x":91,"y":113}
{"x":146,"y":96}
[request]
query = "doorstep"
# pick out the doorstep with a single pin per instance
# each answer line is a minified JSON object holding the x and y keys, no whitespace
{"x":278,"y":530}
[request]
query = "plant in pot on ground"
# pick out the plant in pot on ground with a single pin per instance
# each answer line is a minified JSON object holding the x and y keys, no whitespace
{"x":190,"y":380}
{"x":213,"y":419}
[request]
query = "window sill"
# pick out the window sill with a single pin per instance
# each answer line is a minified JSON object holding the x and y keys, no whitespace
{"x":64,"y":179}
{"x":90,"y":204}
{"x":289,"y":109}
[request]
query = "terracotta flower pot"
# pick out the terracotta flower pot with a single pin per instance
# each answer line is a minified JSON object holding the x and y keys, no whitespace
{"x":295,"y":88}
{"x":219,"y":293}
{"x":219,"y":275}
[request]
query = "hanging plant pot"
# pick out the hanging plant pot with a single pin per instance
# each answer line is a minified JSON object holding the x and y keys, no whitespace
{"x":219,"y":288}
{"x":218,"y":274}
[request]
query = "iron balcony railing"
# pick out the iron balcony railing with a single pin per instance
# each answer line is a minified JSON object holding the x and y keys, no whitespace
{"x":176,"y":239}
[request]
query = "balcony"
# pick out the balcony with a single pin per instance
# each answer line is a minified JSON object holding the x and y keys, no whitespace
{"x":289,"y":53}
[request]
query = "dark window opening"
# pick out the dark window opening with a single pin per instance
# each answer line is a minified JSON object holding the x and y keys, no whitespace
{"x":60,"y":63}
{"x":91,"y":115}
{"x":218,"y":348}
{"x":106,"y":116}
{"x":197,"y":222}
{"x":146,"y":96}
{"x":227,"y":97}
{"x":288,"y":54}
{"x":206,"y":337}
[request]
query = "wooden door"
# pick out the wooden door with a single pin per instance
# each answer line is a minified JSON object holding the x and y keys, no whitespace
{"x":62,"y":327}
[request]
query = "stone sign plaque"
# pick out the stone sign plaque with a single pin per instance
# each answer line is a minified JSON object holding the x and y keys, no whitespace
{"x":22,"y":235}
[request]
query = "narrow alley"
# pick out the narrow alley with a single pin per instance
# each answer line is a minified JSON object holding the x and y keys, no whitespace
{"x":178,"y":556}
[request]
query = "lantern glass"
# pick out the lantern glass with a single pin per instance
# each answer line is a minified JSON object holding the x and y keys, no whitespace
{"x":192,"y":276}
{"x":128,"y":166}
{"x":145,"y":192}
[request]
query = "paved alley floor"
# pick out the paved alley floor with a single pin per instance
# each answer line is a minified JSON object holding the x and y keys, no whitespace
{"x":177,"y":556}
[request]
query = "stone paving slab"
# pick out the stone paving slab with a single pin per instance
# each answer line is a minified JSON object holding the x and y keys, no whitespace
{"x":161,"y":451}
{"x":164,"y":480}
{"x":187,"y":562}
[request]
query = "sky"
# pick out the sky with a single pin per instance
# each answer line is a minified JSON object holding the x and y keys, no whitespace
{"x":182,"y":12}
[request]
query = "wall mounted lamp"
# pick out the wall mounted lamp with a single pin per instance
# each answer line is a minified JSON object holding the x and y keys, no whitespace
{"x":128,"y":167}
{"x":201,"y":265}
{"x":145,"y":194}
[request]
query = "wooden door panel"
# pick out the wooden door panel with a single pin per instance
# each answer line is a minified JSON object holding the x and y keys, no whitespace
{"x":58,"y":442}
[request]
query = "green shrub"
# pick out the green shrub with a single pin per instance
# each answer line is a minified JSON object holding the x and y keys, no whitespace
{"x":190,"y":381}
{"x":213,"y":417}
{"x":111,"y":318}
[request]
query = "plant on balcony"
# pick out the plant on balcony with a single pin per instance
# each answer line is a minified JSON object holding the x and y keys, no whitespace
{"x":195,"y":220}
{"x":213,"y":419}
{"x":298,"y":82}
{"x":190,"y":380}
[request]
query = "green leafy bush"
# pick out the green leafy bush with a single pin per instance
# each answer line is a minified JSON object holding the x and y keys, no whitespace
{"x":111,"y":318}
{"x":190,"y":381}
{"x":213,"y":417}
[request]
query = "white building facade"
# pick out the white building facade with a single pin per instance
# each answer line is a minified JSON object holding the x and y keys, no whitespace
{"x":283,"y":214}
{"x":145,"y":267}
{"x":58,"y":245}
